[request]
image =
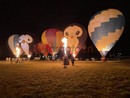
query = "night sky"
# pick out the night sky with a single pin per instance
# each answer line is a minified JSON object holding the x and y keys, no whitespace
{"x":34,"y":16}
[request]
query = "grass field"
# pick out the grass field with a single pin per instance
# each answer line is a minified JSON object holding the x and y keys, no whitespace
{"x":48,"y":79}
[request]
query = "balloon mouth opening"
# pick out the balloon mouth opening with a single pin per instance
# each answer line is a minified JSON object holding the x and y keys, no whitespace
{"x":103,"y":53}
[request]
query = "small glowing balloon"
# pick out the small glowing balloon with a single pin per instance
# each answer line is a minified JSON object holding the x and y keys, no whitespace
{"x":13,"y":43}
{"x":44,"y":49}
{"x":105,"y":28}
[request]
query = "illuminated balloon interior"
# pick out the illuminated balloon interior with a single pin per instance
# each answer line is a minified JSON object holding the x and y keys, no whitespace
{"x":105,"y":28}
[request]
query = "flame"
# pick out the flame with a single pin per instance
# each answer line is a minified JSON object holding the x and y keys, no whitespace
{"x":64,"y":40}
{"x":74,"y":54}
{"x":17,"y":52}
{"x":29,"y":55}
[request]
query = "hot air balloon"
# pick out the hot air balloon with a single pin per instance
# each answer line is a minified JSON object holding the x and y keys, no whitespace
{"x":105,"y":28}
{"x":76,"y":36}
{"x":53,"y":38}
{"x":44,"y":49}
{"x":14,"y":44}
{"x":24,"y":41}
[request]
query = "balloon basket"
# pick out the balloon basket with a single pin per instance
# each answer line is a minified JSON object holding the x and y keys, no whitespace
{"x":103,"y":59}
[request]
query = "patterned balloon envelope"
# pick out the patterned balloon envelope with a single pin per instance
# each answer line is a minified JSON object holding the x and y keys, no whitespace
{"x":13,"y":43}
{"x":53,"y":38}
{"x":76,"y":36}
{"x":44,"y":49}
{"x":24,"y":41}
{"x":105,"y":28}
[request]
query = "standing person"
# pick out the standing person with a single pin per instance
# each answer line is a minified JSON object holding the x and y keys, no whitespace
{"x":66,"y":62}
{"x":72,"y":61}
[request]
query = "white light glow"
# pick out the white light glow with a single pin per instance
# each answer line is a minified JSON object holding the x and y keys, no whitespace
{"x":17,"y":52}
{"x":74,"y":54}
{"x":29,"y":55}
{"x":64,"y":40}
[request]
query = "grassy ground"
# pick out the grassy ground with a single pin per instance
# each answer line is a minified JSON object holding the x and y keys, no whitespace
{"x":48,"y":79}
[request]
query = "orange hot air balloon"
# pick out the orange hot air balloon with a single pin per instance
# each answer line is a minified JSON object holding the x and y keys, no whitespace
{"x":44,"y":49}
{"x":105,"y":28}
{"x":53,"y":38}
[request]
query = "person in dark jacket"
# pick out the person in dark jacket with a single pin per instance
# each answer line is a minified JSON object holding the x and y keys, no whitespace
{"x":66,"y":62}
{"x":72,"y":61}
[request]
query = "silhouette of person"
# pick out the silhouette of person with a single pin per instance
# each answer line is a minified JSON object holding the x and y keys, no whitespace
{"x":66,"y":62}
{"x":72,"y":61}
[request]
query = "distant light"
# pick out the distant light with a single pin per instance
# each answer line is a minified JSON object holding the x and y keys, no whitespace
{"x":17,"y":52}
{"x":29,"y":55}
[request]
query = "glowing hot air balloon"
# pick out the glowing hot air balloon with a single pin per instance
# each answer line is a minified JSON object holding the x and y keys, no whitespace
{"x":44,"y":49}
{"x":53,"y":38}
{"x":13,"y":43}
{"x":105,"y":28}
{"x":24,"y":41}
{"x":77,"y":36}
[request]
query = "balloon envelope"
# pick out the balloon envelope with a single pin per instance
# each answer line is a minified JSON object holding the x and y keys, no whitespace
{"x":76,"y":36}
{"x":44,"y":49}
{"x":13,"y":43}
{"x":25,"y":40}
{"x":53,"y":38}
{"x":105,"y":28}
